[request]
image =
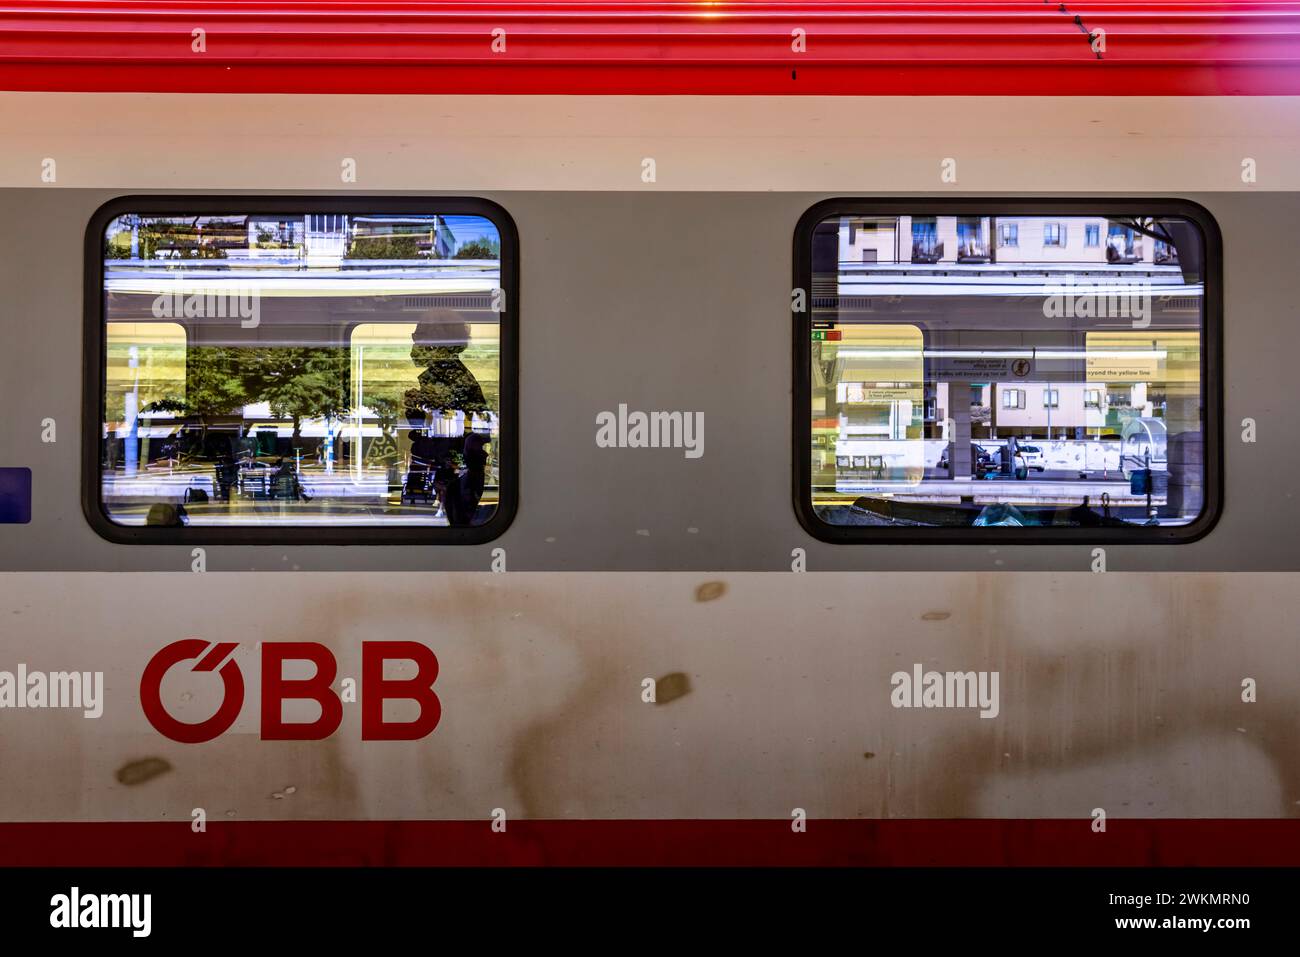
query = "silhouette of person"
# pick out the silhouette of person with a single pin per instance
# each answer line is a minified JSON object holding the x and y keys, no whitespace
{"x":226,"y":469}
{"x":1009,"y":452}
{"x":244,"y":446}
{"x":165,"y":515}
{"x":458,"y":463}
{"x":284,"y":483}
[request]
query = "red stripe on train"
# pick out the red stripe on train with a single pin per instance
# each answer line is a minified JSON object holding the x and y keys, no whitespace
{"x":1220,"y":843}
{"x":807,"y":80}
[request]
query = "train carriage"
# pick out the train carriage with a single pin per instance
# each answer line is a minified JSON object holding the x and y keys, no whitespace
{"x":878,"y":413}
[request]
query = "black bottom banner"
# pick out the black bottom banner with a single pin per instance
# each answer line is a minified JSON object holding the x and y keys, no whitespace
{"x":331,"y":905}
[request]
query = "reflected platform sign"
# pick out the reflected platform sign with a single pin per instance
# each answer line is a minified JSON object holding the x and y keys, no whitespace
{"x":1100,"y":363}
{"x":858,"y":393}
{"x":973,"y":368}
{"x":1119,"y":368}
{"x":1129,"y":356}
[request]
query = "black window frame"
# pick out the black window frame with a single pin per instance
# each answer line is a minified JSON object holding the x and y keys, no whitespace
{"x":94,"y":371}
{"x":1211,"y":371}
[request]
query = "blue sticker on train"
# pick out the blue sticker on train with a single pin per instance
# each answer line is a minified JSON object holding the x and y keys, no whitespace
{"x":15,"y":496}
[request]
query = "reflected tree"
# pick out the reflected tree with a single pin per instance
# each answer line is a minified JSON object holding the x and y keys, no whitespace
{"x":299,"y":382}
{"x":480,"y":249}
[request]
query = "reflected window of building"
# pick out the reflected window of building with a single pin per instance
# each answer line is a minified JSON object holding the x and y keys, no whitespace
{"x":972,"y":239}
{"x":926,"y":247}
{"x":1122,"y":244}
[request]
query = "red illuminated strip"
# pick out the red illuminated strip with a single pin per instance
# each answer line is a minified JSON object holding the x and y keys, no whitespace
{"x":1218,"y":843}
{"x":1016,"y":48}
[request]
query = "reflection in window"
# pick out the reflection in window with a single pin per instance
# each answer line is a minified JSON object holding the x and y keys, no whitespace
{"x":926,"y":247}
{"x":972,"y":239}
{"x":1122,"y":244}
{"x":873,"y":419}
{"x":1036,"y":384}
{"x":311,"y":370}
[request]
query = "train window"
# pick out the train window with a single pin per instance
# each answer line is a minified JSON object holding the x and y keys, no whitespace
{"x":1008,"y":371}
{"x":320,"y":371}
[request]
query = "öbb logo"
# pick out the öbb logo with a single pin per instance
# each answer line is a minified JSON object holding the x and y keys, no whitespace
{"x":375,"y":690}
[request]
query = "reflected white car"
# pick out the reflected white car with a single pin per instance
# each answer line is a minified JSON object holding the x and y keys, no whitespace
{"x":1033,"y":457}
